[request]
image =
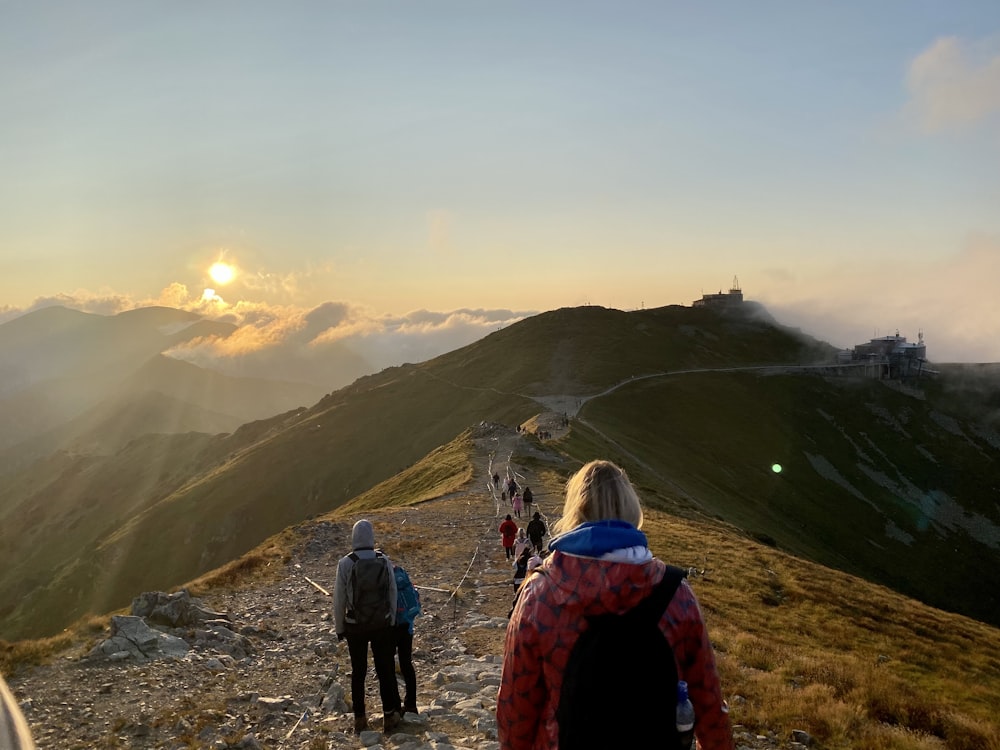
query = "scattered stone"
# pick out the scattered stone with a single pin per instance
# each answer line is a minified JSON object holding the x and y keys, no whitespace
{"x":802,"y":737}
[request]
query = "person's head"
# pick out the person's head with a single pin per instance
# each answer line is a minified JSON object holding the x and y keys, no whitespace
{"x":363,"y":535}
{"x":509,"y":518}
{"x":520,"y":533}
{"x":600,"y":491}
{"x":537,"y":516}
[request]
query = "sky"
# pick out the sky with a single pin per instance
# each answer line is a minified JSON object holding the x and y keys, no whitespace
{"x":405,"y":177}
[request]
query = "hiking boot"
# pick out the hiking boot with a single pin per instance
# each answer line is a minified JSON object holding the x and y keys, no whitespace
{"x":391,"y":721}
{"x":409,"y":709}
{"x":360,"y":724}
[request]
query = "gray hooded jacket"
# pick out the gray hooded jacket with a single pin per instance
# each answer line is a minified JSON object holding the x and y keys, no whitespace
{"x":363,"y":544}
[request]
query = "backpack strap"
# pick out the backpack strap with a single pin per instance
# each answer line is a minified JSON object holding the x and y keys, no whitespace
{"x":654,"y":605}
{"x":354,"y":555}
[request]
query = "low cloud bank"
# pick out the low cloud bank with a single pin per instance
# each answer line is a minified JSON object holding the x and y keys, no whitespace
{"x":952,"y":300}
{"x":330,"y":345}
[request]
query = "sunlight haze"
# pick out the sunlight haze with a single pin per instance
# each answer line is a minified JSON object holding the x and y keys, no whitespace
{"x":412,"y":176}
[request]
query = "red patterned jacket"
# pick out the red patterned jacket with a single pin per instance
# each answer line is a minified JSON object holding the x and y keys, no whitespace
{"x":549,"y":617}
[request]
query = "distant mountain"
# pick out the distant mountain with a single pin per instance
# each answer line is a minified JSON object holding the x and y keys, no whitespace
{"x":55,"y":342}
{"x":894,"y":482}
{"x":76,"y":379}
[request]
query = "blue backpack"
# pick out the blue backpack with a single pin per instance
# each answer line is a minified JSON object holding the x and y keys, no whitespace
{"x":407,"y":599}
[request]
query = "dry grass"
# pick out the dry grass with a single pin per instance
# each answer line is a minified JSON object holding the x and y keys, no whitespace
{"x":16,"y":655}
{"x":800,"y":646}
{"x":443,"y":471}
{"x":264,"y":560}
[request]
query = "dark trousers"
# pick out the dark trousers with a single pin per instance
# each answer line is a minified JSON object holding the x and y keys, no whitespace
{"x":404,"y":648}
{"x":509,"y":551}
{"x":383,"y":651}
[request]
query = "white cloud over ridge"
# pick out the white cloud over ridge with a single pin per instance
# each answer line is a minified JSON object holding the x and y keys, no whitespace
{"x":951,"y":300}
{"x":955,"y":83}
{"x":329,"y":345}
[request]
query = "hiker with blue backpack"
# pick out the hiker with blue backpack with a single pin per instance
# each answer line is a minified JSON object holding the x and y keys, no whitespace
{"x":606,"y":643}
{"x":407,"y":610}
{"x":364,"y":612}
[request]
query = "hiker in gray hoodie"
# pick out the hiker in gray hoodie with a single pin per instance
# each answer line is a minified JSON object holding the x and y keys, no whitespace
{"x":364,"y":610}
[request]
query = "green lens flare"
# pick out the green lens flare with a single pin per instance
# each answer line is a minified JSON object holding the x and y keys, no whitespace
{"x":776,"y":468}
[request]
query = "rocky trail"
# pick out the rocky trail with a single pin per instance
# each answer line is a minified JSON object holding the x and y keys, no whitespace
{"x":271,"y":673}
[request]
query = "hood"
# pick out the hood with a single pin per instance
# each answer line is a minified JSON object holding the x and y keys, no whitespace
{"x":596,"y":538}
{"x":363,"y":536}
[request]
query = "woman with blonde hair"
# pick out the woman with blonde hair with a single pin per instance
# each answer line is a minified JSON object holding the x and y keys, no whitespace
{"x":600,"y":563}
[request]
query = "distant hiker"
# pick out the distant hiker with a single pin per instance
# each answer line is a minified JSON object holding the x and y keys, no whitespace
{"x":600,"y":568}
{"x":517,"y":503}
{"x":364,"y":609}
{"x":521,"y":544}
{"x":521,"y":569}
{"x":407,"y":609}
{"x":508,"y":533}
{"x":528,"y":499}
{"x":511,"y":487}
{"x":503,"y":496}
{"x":523,"y":565}
{"x":536,"y":560}
{"x":536,"y":530}
{"x":496,"y":481}
{"x":14,"y":732}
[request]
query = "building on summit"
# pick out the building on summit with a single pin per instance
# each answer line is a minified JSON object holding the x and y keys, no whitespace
{"x":732,"y":298}
{"x":889,"y":357}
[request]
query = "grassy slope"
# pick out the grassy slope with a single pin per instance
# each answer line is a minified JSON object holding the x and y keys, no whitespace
{"x":715,"y":437}
{"x":315,"y":460}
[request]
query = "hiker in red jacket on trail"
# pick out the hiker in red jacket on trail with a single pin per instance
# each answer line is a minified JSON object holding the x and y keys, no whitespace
{"x":508,"y":533}
{"x":599,"y":563}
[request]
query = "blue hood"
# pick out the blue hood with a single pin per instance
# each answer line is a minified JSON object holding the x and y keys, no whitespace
{"x":596,"y":538}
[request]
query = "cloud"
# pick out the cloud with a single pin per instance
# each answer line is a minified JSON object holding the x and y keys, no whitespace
{"x":100,"y":303}
{"x":330,"y":345}
{"x":952,"y":300}
{"x":336,"y":342}
{"x":439,"y":232}
{"x":955,"y":83}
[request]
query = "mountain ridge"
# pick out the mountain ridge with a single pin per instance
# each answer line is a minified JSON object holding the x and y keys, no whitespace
{"x":678,"y":395}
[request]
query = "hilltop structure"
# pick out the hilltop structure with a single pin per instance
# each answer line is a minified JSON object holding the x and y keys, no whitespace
{"x":889,"y":357}
{"x":727,"y":300}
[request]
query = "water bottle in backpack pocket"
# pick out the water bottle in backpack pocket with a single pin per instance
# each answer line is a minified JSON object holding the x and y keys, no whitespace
{"x":685,"y":718}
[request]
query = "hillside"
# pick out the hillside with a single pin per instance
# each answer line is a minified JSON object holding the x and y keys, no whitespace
{"x":799,"y":646}
{"x":82,"y":382}
{"x":879,"y":482}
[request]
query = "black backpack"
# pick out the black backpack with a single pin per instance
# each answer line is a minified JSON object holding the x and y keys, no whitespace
{"x":368,"y":606}
{"x":620,"y":684}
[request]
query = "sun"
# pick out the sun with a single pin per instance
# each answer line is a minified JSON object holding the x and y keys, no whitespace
{"x":222,"y":273}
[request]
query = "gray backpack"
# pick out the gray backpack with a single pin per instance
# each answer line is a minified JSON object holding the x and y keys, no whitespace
{"x":368,"y":606}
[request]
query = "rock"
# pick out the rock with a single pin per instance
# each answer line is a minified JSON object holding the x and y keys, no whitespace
{"x":802,"y":737}
{"x":174,"y":610}
{"x":132,"y":639}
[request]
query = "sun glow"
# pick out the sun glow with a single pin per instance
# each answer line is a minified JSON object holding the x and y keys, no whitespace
{"x":222,"y":273}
